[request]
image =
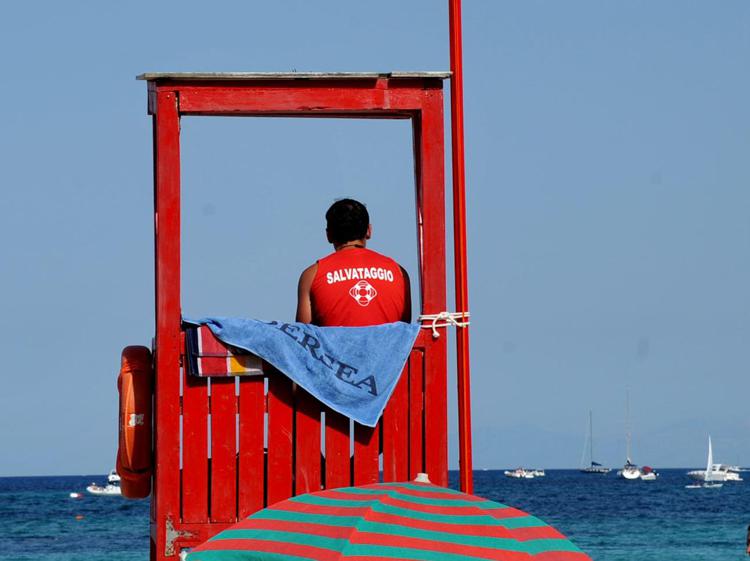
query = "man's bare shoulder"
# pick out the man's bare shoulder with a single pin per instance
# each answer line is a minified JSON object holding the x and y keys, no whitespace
{"x":309,"y":273}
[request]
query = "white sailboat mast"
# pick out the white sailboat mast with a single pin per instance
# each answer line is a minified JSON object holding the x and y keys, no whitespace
{"x":627,"y":427}
{"x":709,"y":468}
{"x":591,"y":438}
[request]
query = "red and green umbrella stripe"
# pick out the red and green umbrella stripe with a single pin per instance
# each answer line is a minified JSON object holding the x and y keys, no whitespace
{"x":323,"y":516}
{"x":423,"y":489}
{"x":342,"y":495}
{"x":420,"y":496}
{"x":483,"y":537}
{"x":434,"y":508}
{"x":320,"y":505}
{"x":385,"y":535}
{"x":271,"y":554}
{"x":237,"y":550}
{"x":377,"y":549}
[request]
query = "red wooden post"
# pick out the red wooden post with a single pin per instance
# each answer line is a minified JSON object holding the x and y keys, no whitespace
{"x":166,"y":496}
{"x":395,"y":427}
{"x":338,"y":463}
{"x":251,"y":457}
{"x":280,"y":445}
{"x":459,"y":247}
{"x":431,"y":199}
{"x":223,"y":450}
{"x":307,"y":476}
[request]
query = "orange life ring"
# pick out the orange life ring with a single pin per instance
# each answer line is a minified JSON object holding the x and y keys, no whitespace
{"x":134,"y":455}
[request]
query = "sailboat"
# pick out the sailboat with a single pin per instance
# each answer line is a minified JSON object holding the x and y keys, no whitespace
{"x":708,"y":480}
{"x":630,"y":470}
{"x":593,"y":467}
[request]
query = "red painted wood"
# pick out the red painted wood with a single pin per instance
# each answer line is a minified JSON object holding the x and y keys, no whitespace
{"x":436,"y":413}
{"x":307,"y":474}
{"x":430,"y":182}
{"x":250,"y":477}
{"x":395,"y":426}
{"x":337,"y":451}
{"x":314,"y":100}
{"x":366,"y":454}
{"x":195,"y":449}
{"x":223,"y":450}
{"x":459,"y":247}
{"x":416,"y":414}
{"x":420,"y":100}
{"x":166,"y":489}
{"x":280,"y":429}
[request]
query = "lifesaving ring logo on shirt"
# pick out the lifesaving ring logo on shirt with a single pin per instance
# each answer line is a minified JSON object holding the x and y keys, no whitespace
{"x":363,"y":292}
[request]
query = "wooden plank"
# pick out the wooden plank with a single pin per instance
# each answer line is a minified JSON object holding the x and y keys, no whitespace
{"x":195,"y":449}
{"x":431,"y":199}
{"x":223,"y":450}
{"x":436,"y":412}
{"x":252,"y":76}
{"x":429,"y":151}
{"x":395,"y":427}
{"x":166,"y":490}
{"x":261,"y":99}
{"x":307,"y":476}
{"x":366,"y":454}
{"x":416,"y":414}
{"x":250,"y":477}
{"x":338,"y":461}
{"x":280,"y":429}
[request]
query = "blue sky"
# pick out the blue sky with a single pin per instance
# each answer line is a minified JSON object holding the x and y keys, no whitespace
{"x":608,"y":209}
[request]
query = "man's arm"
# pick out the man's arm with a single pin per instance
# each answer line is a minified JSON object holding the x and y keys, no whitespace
{"x":407,"y":297}
{"x":304,"y":304}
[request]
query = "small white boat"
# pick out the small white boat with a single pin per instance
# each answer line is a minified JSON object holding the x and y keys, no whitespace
{"x":648,"y":474}
{"x":630,"y":471}
{"x":520,"y":473}
{"x":708,"y":481}
{"x":112,"y":488}
{"x":538,"y":472}
{"x":719,"y":472}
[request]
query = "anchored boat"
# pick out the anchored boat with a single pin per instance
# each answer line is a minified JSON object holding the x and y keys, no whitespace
{"x":111,"y":489}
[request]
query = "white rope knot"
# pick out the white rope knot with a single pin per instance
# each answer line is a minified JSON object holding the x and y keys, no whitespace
{"x":456,"y":319}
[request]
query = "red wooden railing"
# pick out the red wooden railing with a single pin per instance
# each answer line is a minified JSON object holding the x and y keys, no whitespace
{"x":248,"y":442}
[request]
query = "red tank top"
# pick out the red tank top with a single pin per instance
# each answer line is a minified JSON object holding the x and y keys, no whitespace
{"x":357,"y":287}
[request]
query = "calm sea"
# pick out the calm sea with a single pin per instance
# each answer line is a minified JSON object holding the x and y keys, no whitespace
{"x":611,"y":519}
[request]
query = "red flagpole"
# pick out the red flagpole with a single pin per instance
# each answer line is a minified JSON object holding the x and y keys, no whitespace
{"x":459,"y":247}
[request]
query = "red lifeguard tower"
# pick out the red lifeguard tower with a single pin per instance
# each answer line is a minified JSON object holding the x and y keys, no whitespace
{"x":224,"y":448}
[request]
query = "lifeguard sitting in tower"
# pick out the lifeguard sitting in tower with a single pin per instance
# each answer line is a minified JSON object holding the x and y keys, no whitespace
{"x":353,"y":286}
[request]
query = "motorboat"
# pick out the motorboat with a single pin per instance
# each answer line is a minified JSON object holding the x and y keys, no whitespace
{"x":708,"y":481}
{"x":520,"y":473}
{"x":112,"y":488}
{"x":593,"y":467}
{"x":538,"y":472}
{"x":648,"y":474}
{"x":719,"y":472}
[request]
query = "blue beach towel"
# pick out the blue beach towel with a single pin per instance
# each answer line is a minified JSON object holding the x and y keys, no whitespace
{"x":353,"y":370}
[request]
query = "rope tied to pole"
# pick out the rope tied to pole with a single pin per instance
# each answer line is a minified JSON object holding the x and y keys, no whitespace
{"x":456,"y":319}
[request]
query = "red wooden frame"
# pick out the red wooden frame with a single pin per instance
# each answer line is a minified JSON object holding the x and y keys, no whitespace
{"x":194,"y":496}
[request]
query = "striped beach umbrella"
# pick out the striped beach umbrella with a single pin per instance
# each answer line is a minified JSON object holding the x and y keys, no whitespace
{"x":393,"y":521}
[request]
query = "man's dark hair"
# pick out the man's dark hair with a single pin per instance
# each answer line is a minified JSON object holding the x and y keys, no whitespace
{"x":347,"y":220}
